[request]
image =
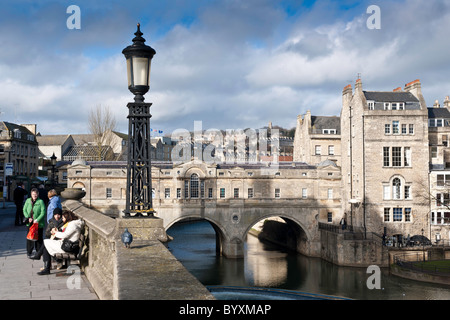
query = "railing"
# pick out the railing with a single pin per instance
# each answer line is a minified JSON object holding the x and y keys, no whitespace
{"x":417,"y":262}
{"x":350,"y":232}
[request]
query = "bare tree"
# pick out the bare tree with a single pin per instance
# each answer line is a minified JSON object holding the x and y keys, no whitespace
{"x":101,"y":124}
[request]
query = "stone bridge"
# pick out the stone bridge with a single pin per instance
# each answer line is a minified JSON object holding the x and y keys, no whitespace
{"x":232,"y":220}
{"x":232,"y":197}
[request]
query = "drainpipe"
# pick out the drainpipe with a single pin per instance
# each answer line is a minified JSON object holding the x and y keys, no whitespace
{"x":364,"y":179}
{"x":351,"y":169}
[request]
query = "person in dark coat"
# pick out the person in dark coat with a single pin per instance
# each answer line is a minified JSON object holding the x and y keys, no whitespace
{"x":43,"y":194}
{"x":19,"y":197}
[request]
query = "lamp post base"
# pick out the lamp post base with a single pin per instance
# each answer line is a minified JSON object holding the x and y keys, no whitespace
{"x":139,"y":214}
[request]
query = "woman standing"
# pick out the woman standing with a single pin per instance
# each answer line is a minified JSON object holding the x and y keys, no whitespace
{"x":34,"y":211}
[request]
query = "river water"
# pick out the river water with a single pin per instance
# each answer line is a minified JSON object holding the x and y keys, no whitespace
{"x":264,"y":265}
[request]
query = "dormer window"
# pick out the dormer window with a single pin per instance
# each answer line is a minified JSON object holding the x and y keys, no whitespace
{"x":371,"y":105}
{"x":394,"y":106}
{"x":17,"y":133}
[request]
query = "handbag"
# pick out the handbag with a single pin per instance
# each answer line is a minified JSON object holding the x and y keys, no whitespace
{"x":70,"y":246}
{"x":33,"y":234}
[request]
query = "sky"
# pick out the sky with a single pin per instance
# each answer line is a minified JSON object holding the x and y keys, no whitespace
{"x":230,"y":64}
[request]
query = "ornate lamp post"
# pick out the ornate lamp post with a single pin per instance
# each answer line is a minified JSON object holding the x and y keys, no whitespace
{"x":53,"y":162}
{"x":139,"y":180}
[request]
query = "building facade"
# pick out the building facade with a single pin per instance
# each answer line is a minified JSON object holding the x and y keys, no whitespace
{"x":383,"y":166}
{"x":19,"y":148}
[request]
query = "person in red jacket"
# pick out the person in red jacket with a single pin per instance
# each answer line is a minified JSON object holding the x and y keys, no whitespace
{"x":34,"y":211}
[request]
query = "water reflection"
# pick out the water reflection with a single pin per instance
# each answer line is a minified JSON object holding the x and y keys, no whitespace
{"x":267,"y":266}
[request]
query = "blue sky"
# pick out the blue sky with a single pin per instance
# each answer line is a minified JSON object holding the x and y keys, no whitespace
{"x":230,"y":64}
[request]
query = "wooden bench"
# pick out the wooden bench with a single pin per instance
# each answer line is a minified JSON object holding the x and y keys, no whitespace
{"x":74,"y":258}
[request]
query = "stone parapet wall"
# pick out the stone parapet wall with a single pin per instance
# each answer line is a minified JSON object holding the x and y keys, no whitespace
{"x":352,"y":253}
{"x":146,"y":271}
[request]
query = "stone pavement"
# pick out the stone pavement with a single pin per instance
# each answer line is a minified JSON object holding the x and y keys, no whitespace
{"x":18,"y":274}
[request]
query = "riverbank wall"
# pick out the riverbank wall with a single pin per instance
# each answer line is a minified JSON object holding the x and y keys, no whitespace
{"x":335,"y":247}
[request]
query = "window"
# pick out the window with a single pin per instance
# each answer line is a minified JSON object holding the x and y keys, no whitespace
{"x":318,"y":150}
{"x":386,"y":192}
{"x":445,"y":140}
{"x":395,"y":127}
{"x":436,"y":122}
{"x":387,"y":128}
{"x":407,"y":156}
{"x":371,"y":105}
{"x":387,"y":106}
{"x":407,"y":214}
{"x":387,"y":214}
{"x":202,"y":189}
{"x":394,"y":106}
{"x":411,"y":129}
{"x":386,"y":156}
{"x":442,"y":199}
{"x":329,"y":131}
{"x":194,"y":186}
{"x":396,"y":189}
{"x":108,"y":193}
{"x":398,"y":214}
{"x":210,"y":193}
{"x":443,"y":180}
{"x":277,"y":193}
{"x":236,"y":193}
{"x":304,"y":193}
{"x":330,"y":193}
{"x":222,"y":193}
{"x":331,"y":150}
{"x":434,"y":152}
{"x":178,"y":193}
{"x":330,"y":217}
{"x":396,"y":156}
{"x":404,"y":129}
{"x":167,"y":193}
{"x":186,"y":189}
{"x":408,"y":193}
{"x":250,"y":193}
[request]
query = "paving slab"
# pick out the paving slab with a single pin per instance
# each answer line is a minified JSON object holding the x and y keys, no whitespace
{"x":18,"y":274}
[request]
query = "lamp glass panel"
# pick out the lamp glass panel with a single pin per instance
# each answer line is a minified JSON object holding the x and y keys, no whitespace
{"x":140,"y":71}
{"x":129,"y":71}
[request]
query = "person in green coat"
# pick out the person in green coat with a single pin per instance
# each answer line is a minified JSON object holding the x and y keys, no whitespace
{"x":34,"y":211}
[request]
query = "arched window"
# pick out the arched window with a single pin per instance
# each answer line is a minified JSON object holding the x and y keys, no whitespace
{"x":396,"y":189}
{"x":194,"y":186}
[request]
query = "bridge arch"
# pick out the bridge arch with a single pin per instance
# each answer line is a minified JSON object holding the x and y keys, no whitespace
{"x":221,"y":235}
{"x":291,"y":234}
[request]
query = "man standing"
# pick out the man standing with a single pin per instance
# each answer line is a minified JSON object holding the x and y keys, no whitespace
{"x":19,"y":197}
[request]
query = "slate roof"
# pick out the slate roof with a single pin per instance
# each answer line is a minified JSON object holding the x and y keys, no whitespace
{"x":52,"y":140}
{"x":380,"y":97}
{"x":390,"y":96}
{"x":318,"y":123}
{"x":438,"y":113}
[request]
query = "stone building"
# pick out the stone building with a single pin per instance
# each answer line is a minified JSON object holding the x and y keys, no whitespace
{"x":19,"y":147}
{"x":384,"y":143}
{"x":439,"y":188}
{"x":317,"y":138}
